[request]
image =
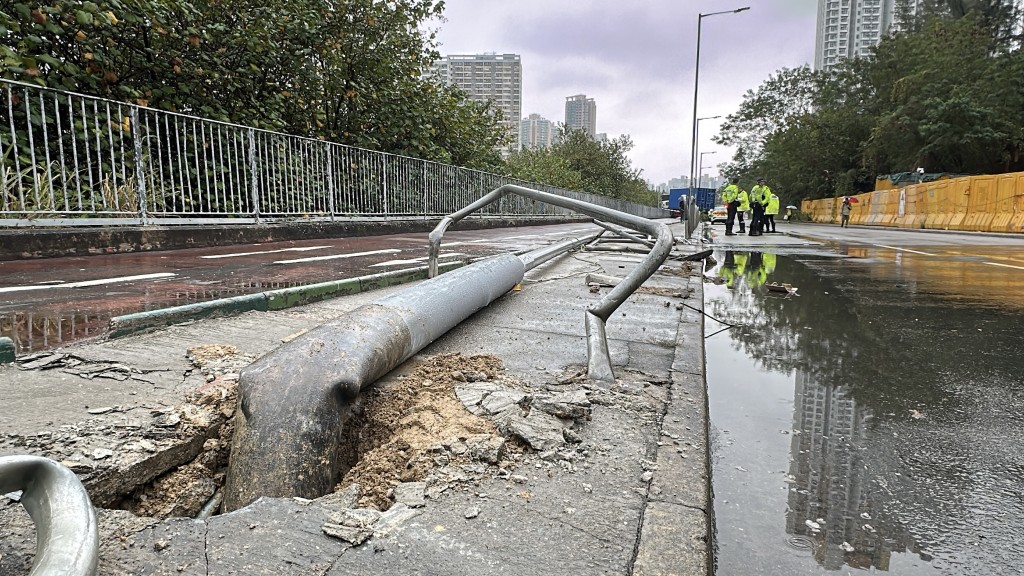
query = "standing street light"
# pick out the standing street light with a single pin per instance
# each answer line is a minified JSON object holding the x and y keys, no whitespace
{"x":696,"y":138}
{"x":696,"y":80}
{"x":700,"y":171}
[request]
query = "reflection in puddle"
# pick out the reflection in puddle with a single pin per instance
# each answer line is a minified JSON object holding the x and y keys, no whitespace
{"x":869,"y":422}
{"x":47,"y":327}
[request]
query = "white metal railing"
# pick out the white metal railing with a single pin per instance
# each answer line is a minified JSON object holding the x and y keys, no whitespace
{"x":71,"y":159}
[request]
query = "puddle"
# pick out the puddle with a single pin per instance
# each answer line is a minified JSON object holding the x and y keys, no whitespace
{"x":869,"y":421}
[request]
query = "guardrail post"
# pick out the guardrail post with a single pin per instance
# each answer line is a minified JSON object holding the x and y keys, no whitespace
{"x":254,"y":178}
{"x":330,"y":179}
{"x":140,"y":172}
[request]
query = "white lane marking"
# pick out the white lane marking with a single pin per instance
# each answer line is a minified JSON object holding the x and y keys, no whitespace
{"x":300,"y":249}
{"x":903,"y":249}
{"x":86,"y":283}
{"x":415,"y":260}
{"x":1004,"y":265}
{"x":337,"y":256}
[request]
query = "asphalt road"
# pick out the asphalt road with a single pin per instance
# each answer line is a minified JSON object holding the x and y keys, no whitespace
{"x":51,"y":302}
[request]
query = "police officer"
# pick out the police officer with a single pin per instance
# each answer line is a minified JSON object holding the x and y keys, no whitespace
{"x":769,"y":213}
{"x":744,"y":201}
{"x":729,"y":197}
{"x":760,"y":194}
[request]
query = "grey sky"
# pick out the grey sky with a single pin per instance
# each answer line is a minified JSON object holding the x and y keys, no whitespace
{"x":636,"y":58}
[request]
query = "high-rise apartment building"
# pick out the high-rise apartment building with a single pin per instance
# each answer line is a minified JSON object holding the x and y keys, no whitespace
{"x":488,"y":77}
{"x":849,"y":28}
{"x":581,"y":114}
{"x":536,"y":131}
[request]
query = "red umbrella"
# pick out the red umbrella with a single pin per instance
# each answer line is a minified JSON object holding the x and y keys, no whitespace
{"x":852,"y":200}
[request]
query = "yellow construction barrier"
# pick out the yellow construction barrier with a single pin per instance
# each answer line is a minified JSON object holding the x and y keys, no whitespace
{"x":981,"y":203}
{"x":1006,"y":189}
{"x":937,"y":205}
{"x":1017,"y":222}
{"x":958,"y":189}
{"x":981,"y":200}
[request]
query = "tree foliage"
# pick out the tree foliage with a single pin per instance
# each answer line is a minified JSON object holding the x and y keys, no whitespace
{"x":578,"y":162}
{"x":349,"y":71}
{"x":945,"y":95}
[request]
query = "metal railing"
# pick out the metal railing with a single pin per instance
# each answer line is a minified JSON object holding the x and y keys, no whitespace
{"x":72,"y":159}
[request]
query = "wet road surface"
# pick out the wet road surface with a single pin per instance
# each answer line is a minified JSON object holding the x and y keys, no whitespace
{"x":47,"y":303}
{"x":873,"y":420}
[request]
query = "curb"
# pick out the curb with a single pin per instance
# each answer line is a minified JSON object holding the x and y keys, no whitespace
{"x":137,"y":322}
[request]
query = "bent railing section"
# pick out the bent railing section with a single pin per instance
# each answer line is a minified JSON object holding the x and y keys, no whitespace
{"x":67,"y":536}
{"x":599,"y":365}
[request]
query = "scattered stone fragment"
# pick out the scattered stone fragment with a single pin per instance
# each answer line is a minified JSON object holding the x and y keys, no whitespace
{"x":472,"y":512}
{"x":101,"y":453}
{"x":356,"y":517}
{"x":573,"y":404}
{"x":354,"y":536}
{"x":412,"y":494}
{"x":486,"y":448}
{"x":540,"y":430}
{"x":102,"y":410}
{"x":393,"y":519}
{"x":346,"y":498}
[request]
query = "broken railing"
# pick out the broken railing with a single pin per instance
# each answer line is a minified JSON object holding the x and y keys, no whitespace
{"x":67,"y":537}
{"x":599,"y":364}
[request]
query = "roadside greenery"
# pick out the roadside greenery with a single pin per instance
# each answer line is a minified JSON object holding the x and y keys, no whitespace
{"x":946,"y":95}
{"x":578,"y":162}
{"x":348,"y":71}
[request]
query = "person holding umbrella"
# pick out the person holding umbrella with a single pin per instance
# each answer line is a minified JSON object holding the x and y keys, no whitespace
{"x":844,"y":212}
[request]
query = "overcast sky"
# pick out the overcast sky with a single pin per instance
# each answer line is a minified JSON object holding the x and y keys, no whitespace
{"x":635,"y":58}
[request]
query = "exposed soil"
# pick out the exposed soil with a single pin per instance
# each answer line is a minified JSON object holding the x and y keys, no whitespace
{"x":185,"y":490}
{"x":405,"y":422}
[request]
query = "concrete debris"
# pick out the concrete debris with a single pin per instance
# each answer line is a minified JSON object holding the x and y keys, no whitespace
{"x":541,"y":420}
{"x":472,"y":512}
{"x":356,"y":517}
{"x":540,"y":430}
{"x":411,"y":494}
{"x":573,"y":405}
{"x":486,"y":448}
{"x":354,"y":536}
{"x":345,"y":498}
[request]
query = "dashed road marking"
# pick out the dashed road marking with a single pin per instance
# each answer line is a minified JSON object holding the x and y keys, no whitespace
{"x":237,"y":254}
{"x":1004,"y":265}
{"x":338,"y":256}
{"x":419,"y":260}
{"x":87,"y":283}
{"x":904,"y":249}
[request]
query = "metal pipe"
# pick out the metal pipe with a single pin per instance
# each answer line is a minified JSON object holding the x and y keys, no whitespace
{"x":537,"y":257}
{"x":290,"y":427}
{"x":67,"y":536}
{"x":599,"y":365}
{"x":625,"y":234}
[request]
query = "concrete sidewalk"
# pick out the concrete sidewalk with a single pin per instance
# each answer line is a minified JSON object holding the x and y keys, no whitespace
{"x":623,"y":489}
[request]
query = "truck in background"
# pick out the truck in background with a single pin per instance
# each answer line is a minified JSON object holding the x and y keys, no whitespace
{"x":704,"y":197}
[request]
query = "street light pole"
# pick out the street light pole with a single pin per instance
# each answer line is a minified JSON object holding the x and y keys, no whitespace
{"x":696,"y":139}
{"x":700,"y":170}
{"x":696,"y":83}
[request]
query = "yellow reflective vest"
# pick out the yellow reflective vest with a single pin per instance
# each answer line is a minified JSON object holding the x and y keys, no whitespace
{"x":744,"y":201}
{"x":773,"y":205}
{"x":729,"y":193}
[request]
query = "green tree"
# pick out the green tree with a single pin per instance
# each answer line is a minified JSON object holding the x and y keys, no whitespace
{"x":349,"y":71}
{"x":579,"y":162}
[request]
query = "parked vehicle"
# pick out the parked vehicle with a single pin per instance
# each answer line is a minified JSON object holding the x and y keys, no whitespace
{"x":718,"y":214}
